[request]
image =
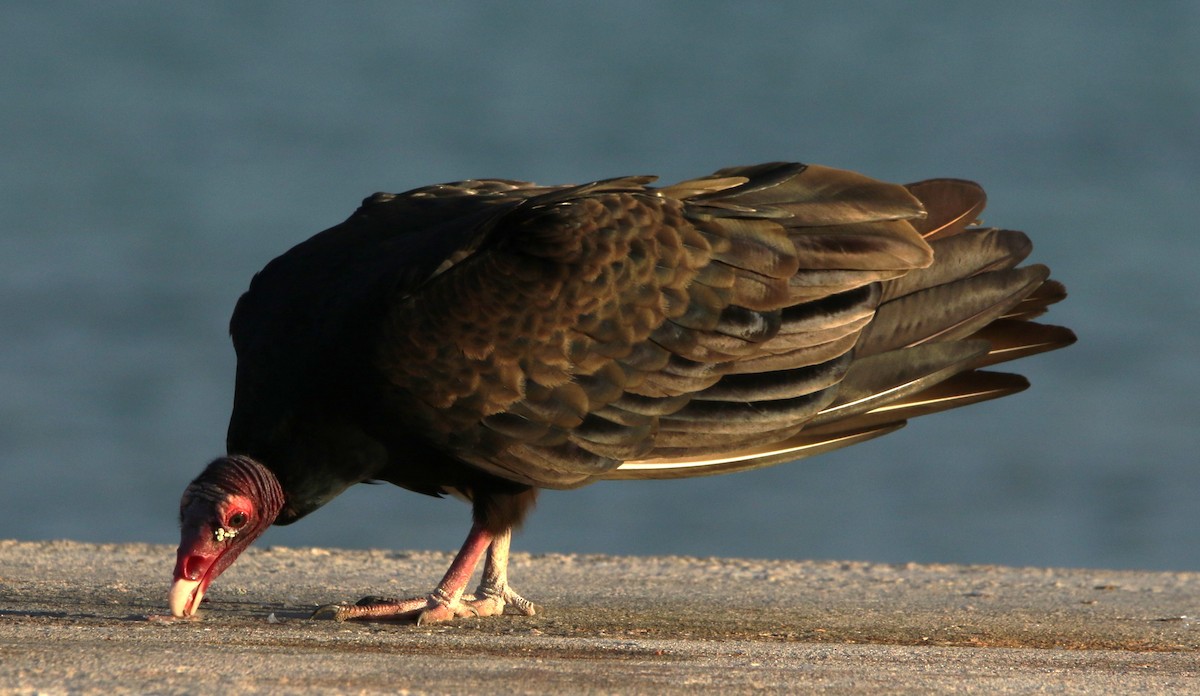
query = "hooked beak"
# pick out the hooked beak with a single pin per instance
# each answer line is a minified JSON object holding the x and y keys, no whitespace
{"x":193,"y":574}
{"x":185,"y":597}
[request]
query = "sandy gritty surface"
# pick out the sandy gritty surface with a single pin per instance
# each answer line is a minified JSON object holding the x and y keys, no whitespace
{"x":74,"y":619}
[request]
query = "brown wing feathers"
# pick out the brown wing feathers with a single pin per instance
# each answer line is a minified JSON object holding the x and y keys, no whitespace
{"x":932,"y":327}
{"x":699,"y":327}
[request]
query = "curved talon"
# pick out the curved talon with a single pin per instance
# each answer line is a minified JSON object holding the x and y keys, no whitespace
{"x":523,"y":606}
{"x":334,"y":612}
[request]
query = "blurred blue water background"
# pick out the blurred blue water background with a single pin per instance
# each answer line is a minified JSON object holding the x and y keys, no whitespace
{"x":155,"y":155}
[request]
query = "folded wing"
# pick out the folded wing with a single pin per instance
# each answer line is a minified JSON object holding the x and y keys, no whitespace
{"x":758,"y":315}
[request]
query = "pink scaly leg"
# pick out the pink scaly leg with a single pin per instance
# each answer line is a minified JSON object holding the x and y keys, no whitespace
{"x":448,"y":601}
{"x":494,"y":593}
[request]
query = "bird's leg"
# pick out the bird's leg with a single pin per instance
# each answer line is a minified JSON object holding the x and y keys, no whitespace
{"x":444,"y":603}
{"x":447,"y":601}
{"x":494,"y":593}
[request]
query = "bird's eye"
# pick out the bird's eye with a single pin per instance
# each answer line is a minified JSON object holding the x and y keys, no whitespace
{"x":238,"y":520}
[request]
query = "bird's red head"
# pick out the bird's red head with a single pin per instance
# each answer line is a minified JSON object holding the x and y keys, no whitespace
{"x":226,"y":508}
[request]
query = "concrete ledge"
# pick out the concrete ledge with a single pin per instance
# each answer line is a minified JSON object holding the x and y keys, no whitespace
{"x":73,"y":618}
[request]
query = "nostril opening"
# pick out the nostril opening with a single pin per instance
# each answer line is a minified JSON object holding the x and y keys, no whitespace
{"x":193,"y":567}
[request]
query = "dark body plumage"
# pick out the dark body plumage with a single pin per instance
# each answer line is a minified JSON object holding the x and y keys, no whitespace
{"x":496,"y":337}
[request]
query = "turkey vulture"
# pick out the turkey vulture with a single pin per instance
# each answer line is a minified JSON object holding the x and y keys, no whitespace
{"x":491,"y":338}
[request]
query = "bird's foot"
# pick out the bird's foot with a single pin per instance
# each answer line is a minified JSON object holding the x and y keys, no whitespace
{"x":434,"y":608}
{"x":494,"y":600}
